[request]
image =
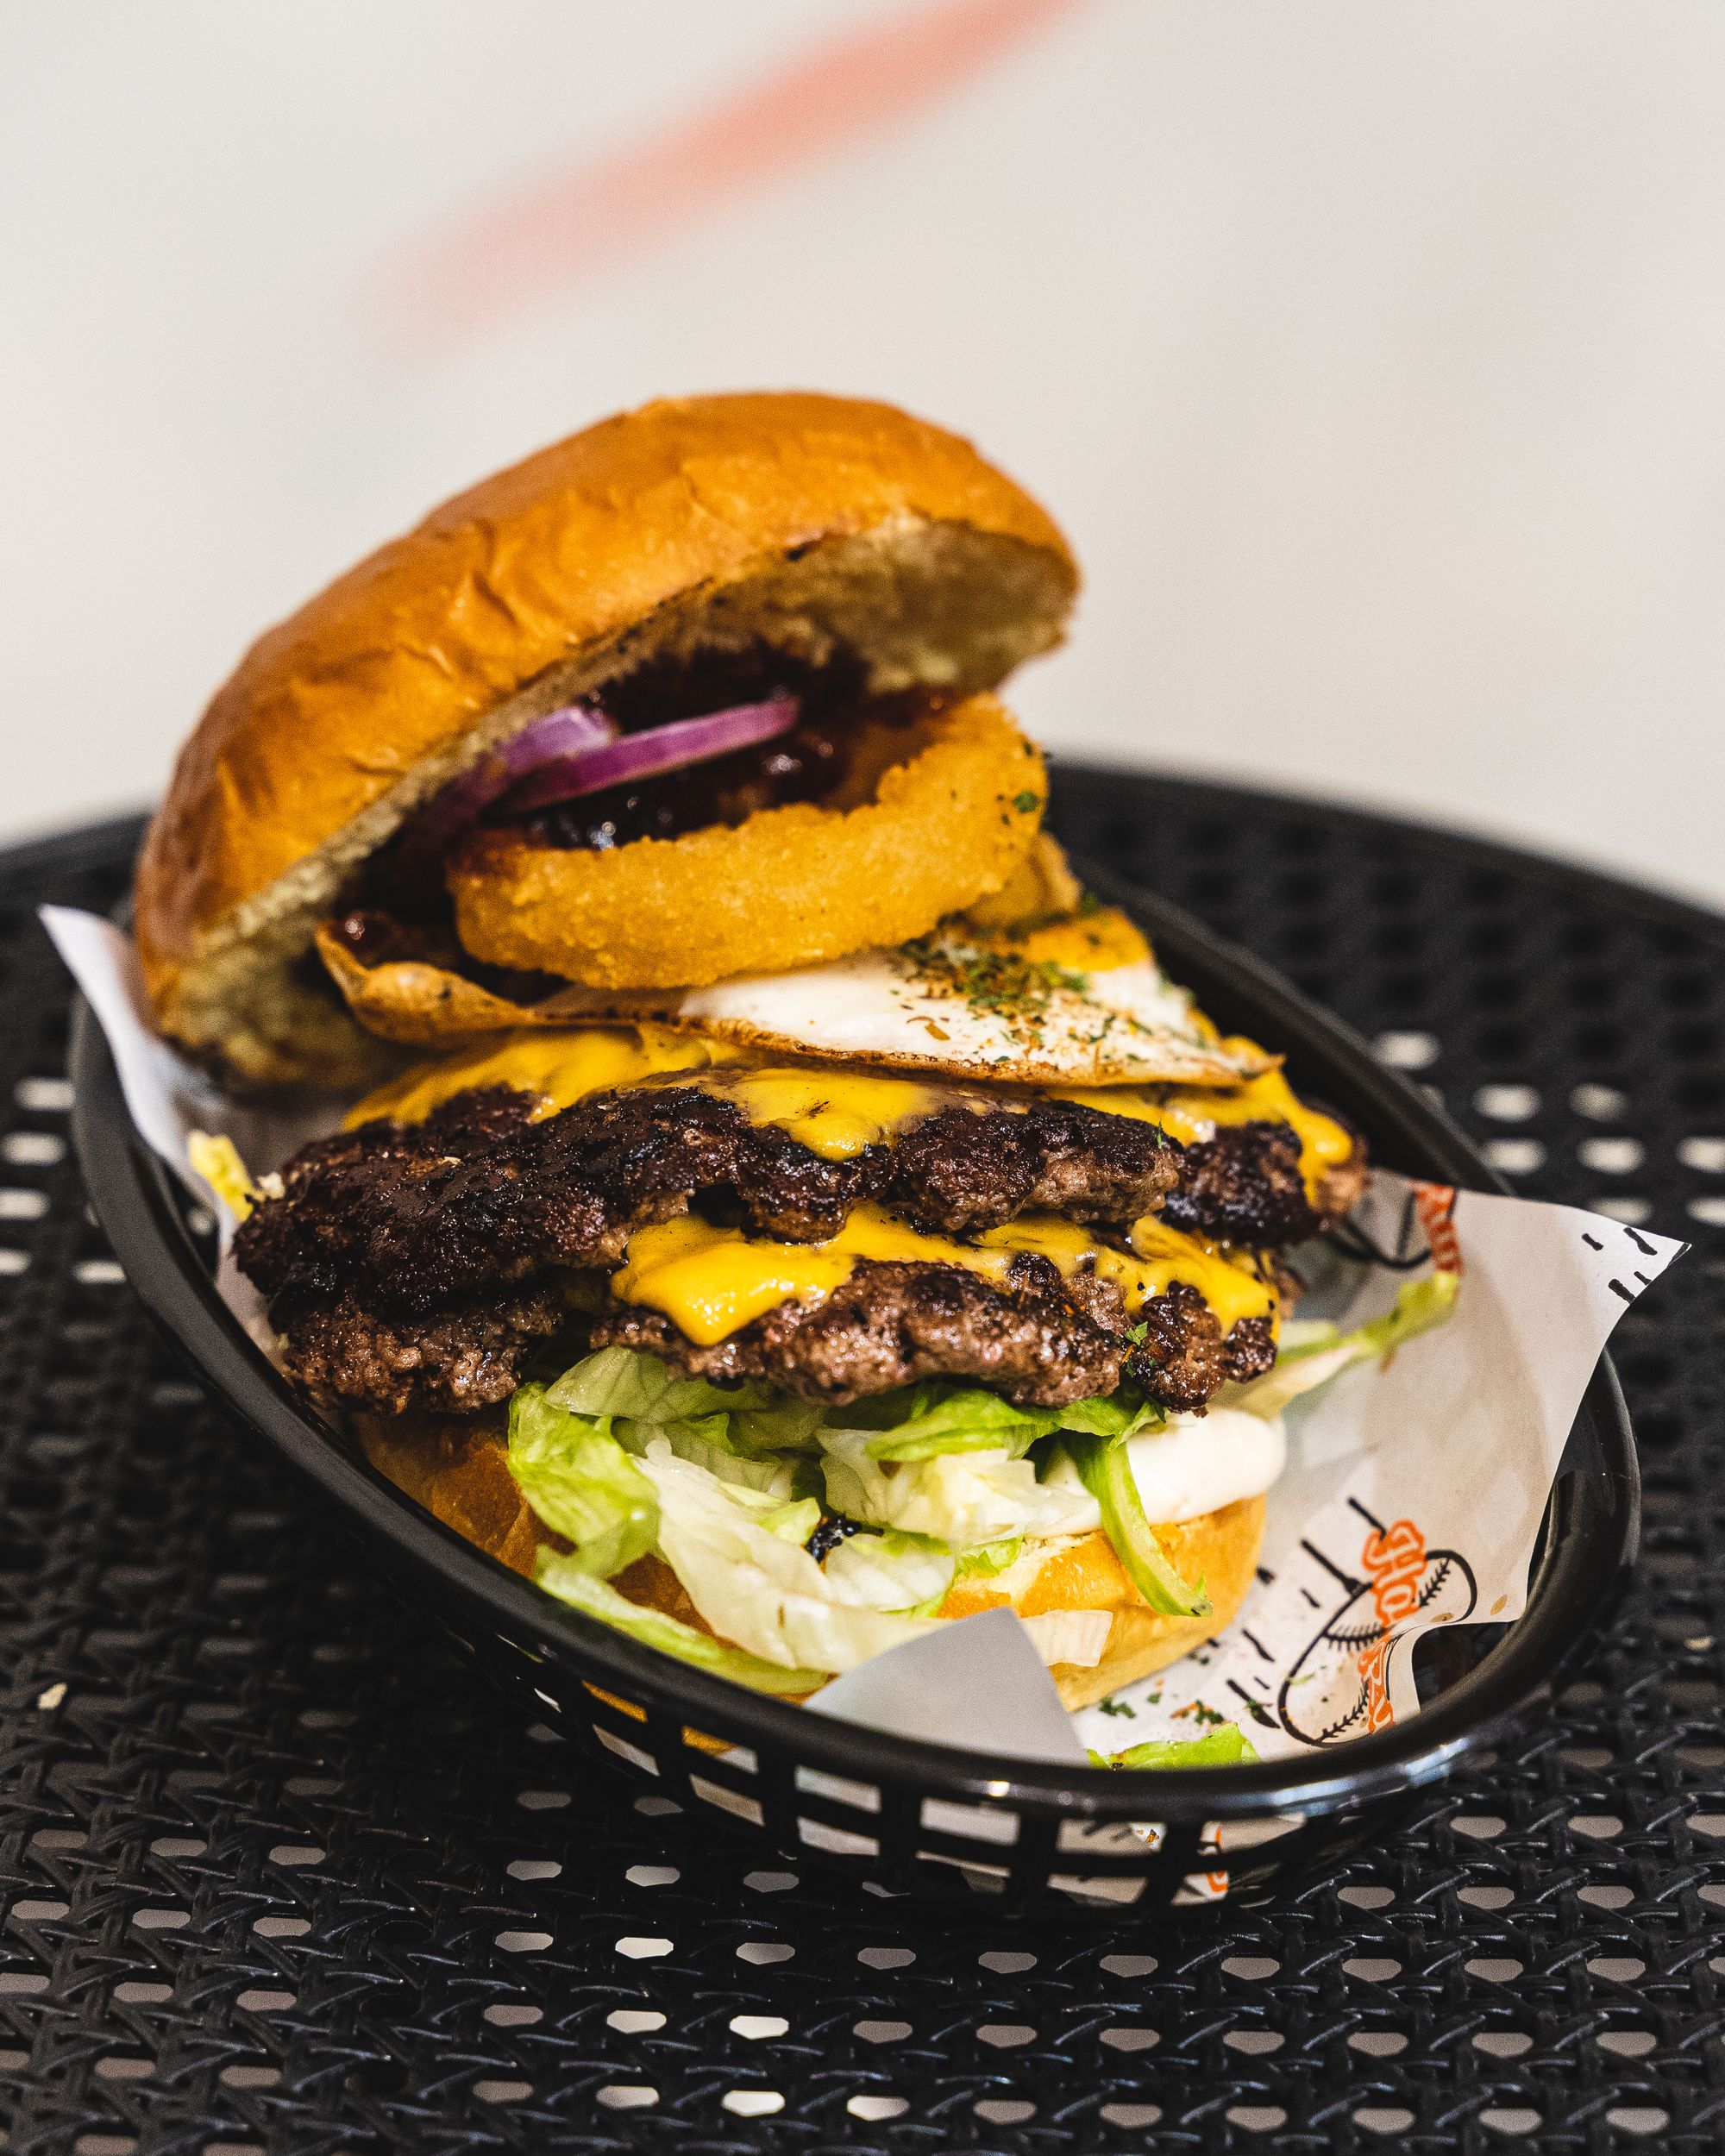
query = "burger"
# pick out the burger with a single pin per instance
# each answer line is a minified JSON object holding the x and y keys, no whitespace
{"x":779,"y":1209}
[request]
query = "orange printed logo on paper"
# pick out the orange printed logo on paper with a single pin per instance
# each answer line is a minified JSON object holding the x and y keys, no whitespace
{"x":1435,"y":1203}
{"x":1394,"y":1561}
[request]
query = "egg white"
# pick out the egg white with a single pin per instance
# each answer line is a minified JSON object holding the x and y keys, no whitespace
{"x":1119,"y":1026}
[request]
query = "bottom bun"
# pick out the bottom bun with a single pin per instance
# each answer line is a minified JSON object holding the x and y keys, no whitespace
{"x":458,"y":1468}
{"x":1218,"y":1547}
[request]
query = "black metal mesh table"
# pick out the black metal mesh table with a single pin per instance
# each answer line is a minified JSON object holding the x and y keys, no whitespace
{"x":279,"y":1874}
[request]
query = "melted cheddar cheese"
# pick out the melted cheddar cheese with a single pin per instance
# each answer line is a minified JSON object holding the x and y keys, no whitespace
{"x":713,"y":1282}
{"x":558,"y":1068}
{"x":835,"y":1113}
{"x":1192,"y":1113}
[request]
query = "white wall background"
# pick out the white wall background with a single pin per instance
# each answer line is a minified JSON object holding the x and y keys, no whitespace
{"x":1373,"y":357}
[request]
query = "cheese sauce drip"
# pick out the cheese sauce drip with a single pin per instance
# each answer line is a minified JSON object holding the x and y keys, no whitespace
{"x":1192,"y":1113}
{"x":712,"y":1281}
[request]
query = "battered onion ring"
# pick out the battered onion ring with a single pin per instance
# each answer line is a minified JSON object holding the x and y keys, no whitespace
{"x":790,"y":887}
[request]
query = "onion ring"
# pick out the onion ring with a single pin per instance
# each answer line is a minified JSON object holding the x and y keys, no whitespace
{"x":789,"y":887}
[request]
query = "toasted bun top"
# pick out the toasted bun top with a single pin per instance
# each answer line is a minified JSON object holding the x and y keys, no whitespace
{"x":819,"y":523}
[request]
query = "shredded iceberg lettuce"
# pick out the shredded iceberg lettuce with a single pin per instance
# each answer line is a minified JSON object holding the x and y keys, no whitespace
{"x":1227,"y":1747}
{"x":1302,"y":1367}
{"x":964,"y":1500}
{"x":891,"y":1571}
{"x":1104,"y":1467}
{"x":752,"y":1585}
{"x":622,"y":1382}
{"x":579,"y":1480}
{"x":564,"y":1578}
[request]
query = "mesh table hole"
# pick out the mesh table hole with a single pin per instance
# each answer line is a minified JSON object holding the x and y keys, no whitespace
{"x":1407,"y":1050}
{"x":1005,"y":2035}
{"x":1486,"y":1897}
{"x":1005,"y":1964}
{"x":1256,"y":2118}
{"x":633,"y":1949}
{"x":500,"y":2091}
{"x":1256,"y":2043}
{"x":1617,"y":1968}
{"x":1130,"y":1966}
{"x":881,"y":2031}
{"x":1005,"y":2110}
{"x":752,"y":2103}
{"x":1479,"y":1826}
{"x":657,"y":1807}
{"x":635,"y":2020}
{"x":1385,"y":2118}
{"x":1507,"y":1104}
{"x":626,"y":2096}
{"x":1253,"y":1968}
{"x":1627,"y":2043}
{"x":538,"y":1868}
{"x":1510,"y":2119}
{"x":117,"y":2067}
{"x":884,"y":1957}
{"x":1611,"y":1155}
{"x":770,"y":1882}
{"x":504,"y":2016}
{"x":250,"y":2076}
{"x":758,"y":2027}
{"x":1638,"y":2118}
{"x":1131,"y":2040}
{"x":873,"y":2109}
{"x":1132,"y":2117}
{"x":1610,"y":1897}
{"x":1370,"y":1969}
{"x":764,"y":1952}
{"x":266,"y":2001}
{"x":1489,"y":1970}
{"x":529,"y":1942}
{"x":1377,"y":2043}
{"x":1502,"y":2043}
{"x":142,"y":1994}
{"x":1367,"y":1898}
{"x":282,"y":1926}
{"x":650,"y":1875}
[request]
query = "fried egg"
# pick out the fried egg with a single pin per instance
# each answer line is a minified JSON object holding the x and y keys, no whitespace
{"x":1080,"y":1002}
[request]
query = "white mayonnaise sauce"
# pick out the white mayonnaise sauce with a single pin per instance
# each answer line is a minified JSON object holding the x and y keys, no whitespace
{"x":1200,"y":1462}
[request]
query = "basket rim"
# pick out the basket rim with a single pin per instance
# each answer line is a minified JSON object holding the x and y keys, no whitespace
{"x":1588,"y":1542}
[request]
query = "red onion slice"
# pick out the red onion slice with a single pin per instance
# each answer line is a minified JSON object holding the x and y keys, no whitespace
{"x":644,"y":756}
{"x":558,"y":735}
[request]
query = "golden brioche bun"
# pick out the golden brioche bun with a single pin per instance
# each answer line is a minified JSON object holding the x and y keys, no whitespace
{"x":1218,"y":1547}
{"x":459,"y":1470}
{"x":819,"y":525}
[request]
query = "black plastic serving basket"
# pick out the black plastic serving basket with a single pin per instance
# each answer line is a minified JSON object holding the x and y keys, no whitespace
{"x":898,"y":1815}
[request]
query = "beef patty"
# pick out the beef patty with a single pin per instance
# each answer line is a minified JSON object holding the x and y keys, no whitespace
{"x":417,"y":1264}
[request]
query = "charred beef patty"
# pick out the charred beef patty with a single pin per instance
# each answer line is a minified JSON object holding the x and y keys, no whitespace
{"x":415,"y":1217}
{"x":1042,"y":1342}
{"x":416,"y":1265}
{"x":1244,"y":1185}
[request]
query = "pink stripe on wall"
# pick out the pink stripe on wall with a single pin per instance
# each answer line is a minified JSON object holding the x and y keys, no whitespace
{"x":599,"y":209}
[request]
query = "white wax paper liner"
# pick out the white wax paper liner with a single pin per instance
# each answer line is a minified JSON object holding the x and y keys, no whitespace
{"x":1415,"y":1488}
